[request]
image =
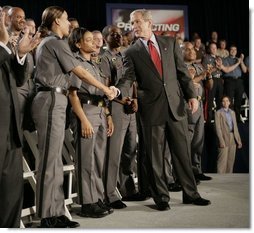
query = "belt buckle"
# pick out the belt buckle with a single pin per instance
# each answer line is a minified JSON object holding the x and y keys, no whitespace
{"x":58,"y":90}
{"x":100,"y":103}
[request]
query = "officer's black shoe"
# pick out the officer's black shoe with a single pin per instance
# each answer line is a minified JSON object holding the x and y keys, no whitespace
{"x":105,"y":206}
{"x":198,"y":201}
{"x":163,"y":206}
{"x":135,"y":197}
{"x":93,"y":211}
{"x":118,"y":204}
{"x":58,"y":222}
{"x":202,"y":176}
{"x":68,"y":222}
{"x":51,"y":222}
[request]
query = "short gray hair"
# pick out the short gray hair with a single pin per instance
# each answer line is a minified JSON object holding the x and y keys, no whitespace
{"x":146,"y":14}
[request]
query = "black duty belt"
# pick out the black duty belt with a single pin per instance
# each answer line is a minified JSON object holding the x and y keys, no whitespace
{"x":95,"y":100}
{"x":59,"y":90}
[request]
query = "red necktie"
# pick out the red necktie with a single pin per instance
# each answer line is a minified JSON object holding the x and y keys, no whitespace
{"x":155,"y":56}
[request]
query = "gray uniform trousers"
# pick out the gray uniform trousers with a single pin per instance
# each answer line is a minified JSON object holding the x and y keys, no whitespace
{"x":122,"y":123}
{"x":196,"y":131}
{"x":128,"y":164}
{"x":90,"y":156}
{"x":49,"y":114}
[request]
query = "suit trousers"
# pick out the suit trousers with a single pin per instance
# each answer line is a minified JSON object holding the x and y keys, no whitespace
{"x":48,"y":112}
{"x":175,"y":133}
{"x":11,"y":187}
{"x":226,"y":157}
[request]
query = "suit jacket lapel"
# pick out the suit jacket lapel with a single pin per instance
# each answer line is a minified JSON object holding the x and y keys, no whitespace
{"x":164,"y":53}
{"x":145,"y":57}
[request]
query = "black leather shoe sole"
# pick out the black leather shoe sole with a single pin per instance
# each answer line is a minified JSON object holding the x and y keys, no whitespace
{"x":93,"y":215}
{"x":118,"y":205}
{"x":58,"y":222}
{"x":199,"y":201}
{"x":135,"y":197}
{"x":68,"y":222}
{"x":203,"y":177}
{"x":163,"y":206}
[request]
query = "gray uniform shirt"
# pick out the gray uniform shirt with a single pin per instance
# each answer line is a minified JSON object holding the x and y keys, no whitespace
{"x":112,"y":67}
{"x":93,"y":69}
{"x":54,"y":61}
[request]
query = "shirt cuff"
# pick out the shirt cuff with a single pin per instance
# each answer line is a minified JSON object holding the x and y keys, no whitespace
{"x":5,"y":47}
{"x":21,"y":61}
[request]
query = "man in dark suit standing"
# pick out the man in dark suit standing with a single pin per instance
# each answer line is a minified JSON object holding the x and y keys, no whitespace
{"x":156,"y":64}
{"x":11,"y":172}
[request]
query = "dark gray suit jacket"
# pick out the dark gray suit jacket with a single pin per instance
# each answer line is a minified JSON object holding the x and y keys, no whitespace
{"x":157,"y":95}
{"x":11,"y":75}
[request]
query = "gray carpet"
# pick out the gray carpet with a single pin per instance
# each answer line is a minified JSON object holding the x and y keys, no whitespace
{"x":230,"y":208}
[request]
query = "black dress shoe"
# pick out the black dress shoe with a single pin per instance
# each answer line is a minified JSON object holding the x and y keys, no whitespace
{"x":93,"y":211}
{"x":163,"y":206}
{"x":174,"y":187}
{"x":51,"y":222}
{"x":58,"y":222}
{"x":197,"y":201}
{"x":118,"y":205}
{"x":135,"y":197}
{"x":203,"y":177}
{"x":105,"y":206}
{"x":68,"y":222}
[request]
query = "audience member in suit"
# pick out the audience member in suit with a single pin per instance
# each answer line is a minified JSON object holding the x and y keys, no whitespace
{"x":162,"y":90}
{"x":12,"y":74}
{"x":17,"y":24}
{"x":228,"y":136}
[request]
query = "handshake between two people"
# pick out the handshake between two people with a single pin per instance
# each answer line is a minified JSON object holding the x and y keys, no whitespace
{"x":112,"y":92}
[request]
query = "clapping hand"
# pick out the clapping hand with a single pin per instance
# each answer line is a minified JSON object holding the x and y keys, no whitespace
{"x":193,"y":105}
{"x":192,"y":71}
{"x":27,"y":44}
{"x":4,"y":36}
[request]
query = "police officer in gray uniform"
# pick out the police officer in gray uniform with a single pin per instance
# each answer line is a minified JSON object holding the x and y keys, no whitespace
{"x":54,"y":62}
{"x":122,"y":144}
{"x":91,"y":126}
{"x":196,"y":120}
